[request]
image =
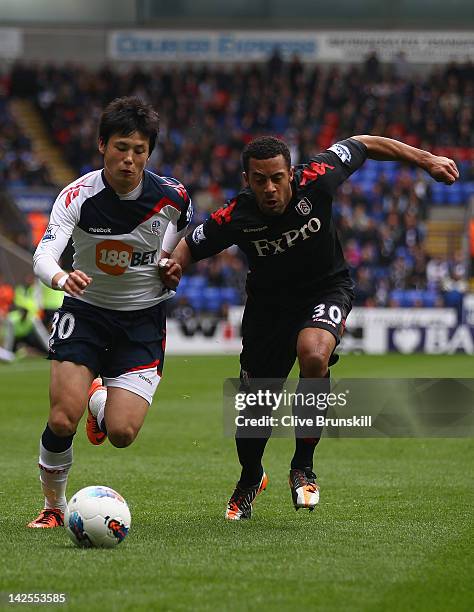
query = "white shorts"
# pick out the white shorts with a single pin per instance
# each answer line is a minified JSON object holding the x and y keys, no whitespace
{"x":142,"y":382}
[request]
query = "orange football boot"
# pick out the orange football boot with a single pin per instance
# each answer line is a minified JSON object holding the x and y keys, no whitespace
{"x":241,"y":502}
{"x":48,"y":518}
{"x":94,"y":433}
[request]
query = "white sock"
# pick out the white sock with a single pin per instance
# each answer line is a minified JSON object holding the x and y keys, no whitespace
{"x":101,"y":417}
{"x":97,"y":403}
{"x":54,"y":468}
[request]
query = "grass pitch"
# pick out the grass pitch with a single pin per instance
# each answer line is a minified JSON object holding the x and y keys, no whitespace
{"x":393,"y":531}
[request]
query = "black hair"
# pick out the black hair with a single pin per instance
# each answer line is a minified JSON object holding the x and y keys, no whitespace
{"x":265,"y":147}
{"x":127,"y":115}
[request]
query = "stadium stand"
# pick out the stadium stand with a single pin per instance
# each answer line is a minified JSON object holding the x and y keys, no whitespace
{"x":395,"y":222}
{"x":19,"y":166}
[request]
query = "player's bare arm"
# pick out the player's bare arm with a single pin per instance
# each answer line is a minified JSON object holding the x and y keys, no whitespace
{"x":173,"y":268}
{"x":442,"y":169}
{"x":73,"y":283}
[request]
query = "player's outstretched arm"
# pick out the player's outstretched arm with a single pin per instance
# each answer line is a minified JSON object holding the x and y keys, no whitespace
{"x":172,"y":269}
{"x":442,"y":169}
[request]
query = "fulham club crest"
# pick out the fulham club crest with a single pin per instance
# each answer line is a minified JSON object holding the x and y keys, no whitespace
{"x":304,"y":207}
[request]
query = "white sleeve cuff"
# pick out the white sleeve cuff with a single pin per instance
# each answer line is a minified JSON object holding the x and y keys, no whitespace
{"x":172,"y":237}
{"x":62,"y":281}
{"x":45,"y":268}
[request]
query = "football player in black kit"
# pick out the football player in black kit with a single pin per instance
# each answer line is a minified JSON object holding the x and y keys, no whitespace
{"x":298,"y":285}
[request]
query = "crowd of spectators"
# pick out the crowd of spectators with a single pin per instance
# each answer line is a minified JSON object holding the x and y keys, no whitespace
{"x":19,"y":166}
{"x":383,"y":233}
{"x":208,"y":113}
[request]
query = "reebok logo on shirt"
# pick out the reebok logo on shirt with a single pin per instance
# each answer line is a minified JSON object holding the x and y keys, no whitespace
{"x":100,"y":230}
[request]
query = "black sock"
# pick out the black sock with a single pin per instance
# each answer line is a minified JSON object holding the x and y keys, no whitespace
{"x":54,"y":443}
{"x":304,"y":452}
{"x":250,"y":451}
{"x":305,"y":445}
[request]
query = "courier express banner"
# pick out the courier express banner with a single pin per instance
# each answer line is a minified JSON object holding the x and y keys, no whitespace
{"x":311,"y":46}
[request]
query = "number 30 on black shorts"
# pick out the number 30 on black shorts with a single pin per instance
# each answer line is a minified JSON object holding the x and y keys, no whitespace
{"x":330,"y":316}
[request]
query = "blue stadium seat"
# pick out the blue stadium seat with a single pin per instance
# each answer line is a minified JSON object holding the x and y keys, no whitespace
{"x":437,"y":187}
{"x":453,"y":298}
{"x":184,"y":283}
{"x":444,"y":194}
{"x":468,"y":189}
{"x":230,"y":295}
{"x":196,"y":298}
{"x":463,"y":166}
{"x":366,"y":187}
{"x":437,"y":197}
{"x":367,"y":175}
{"x":373,"y":165}
{"x":412,"y":296}
{"x":389,"y":171}
{"x":429,"y":298}
{"x":398,"y":295}
{"x":455,"y":194}
{"x":197,"y":282}
{"x":212,"y":299}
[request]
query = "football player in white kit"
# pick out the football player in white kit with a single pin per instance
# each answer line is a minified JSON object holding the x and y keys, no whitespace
{"x":121,"y":219}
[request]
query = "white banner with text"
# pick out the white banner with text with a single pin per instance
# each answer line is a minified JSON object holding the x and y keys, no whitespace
{"x":373,"y":331}
{"x":310,"y":46}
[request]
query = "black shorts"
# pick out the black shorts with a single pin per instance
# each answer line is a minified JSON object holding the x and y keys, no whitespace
{"x":270,"y":332}
{"x":109,"y":342}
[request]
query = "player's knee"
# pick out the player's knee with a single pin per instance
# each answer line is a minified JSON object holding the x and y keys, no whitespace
{"x":313,"y":364}
{"x":121,"y":438}
{"x":61,"y":424}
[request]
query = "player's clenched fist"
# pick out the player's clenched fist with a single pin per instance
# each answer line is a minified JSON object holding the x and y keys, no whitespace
{"x":73,"y":283}
{"x":170,"y":273}
{"x":442,"y":169}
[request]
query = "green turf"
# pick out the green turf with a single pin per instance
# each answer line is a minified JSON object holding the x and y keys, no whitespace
{"x":393,"y":530}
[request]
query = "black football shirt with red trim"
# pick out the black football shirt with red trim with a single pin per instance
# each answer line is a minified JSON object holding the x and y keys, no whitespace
{"x":296,"y":254}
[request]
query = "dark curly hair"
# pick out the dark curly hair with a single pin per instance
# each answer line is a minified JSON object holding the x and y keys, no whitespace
{"x":127,"y":115}
{"x":265,"y":147}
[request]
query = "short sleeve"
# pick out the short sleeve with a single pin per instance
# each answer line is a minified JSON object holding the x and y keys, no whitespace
{"x":212,"y":236}
{"x":327,"y":170}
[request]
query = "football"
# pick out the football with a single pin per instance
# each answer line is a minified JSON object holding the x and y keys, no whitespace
{"x":97,"y":517}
